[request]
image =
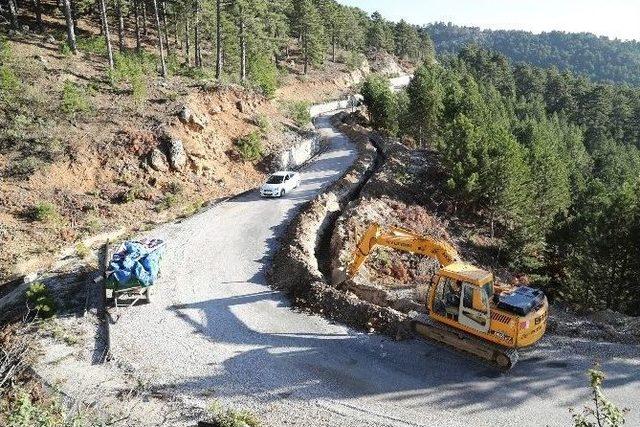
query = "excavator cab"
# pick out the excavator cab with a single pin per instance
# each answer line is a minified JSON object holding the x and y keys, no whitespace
{"x":461,"y":293}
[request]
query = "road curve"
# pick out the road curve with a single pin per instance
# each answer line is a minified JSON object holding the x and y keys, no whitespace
{"x":215,"y":330}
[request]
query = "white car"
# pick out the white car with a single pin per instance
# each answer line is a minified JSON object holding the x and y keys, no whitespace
{"x":280,"y":183}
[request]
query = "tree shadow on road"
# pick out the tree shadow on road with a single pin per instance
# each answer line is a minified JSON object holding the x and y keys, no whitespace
{"x":411,"y":374}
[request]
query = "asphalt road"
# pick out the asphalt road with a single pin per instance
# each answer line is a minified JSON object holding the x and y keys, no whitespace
{"x":215,"y":330}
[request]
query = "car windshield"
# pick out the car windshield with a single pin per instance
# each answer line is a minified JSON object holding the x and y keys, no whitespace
{"x":276,"y":179}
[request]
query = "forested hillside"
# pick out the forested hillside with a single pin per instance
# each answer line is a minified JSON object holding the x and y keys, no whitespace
{"x":548,"y":160}
{"x":599,"y":58}
{"x":238,"y":40}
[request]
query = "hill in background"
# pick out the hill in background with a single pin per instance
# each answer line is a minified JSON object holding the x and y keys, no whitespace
{"x":599,"y":58}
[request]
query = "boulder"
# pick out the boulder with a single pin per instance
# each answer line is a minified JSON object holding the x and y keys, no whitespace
{"x":241,"y":106}
{"x":25,"y":28}
{"x":177,"y":154}
{"x":189,"y":118}
{"x":158,"y":161}
{"x":50,"y":39}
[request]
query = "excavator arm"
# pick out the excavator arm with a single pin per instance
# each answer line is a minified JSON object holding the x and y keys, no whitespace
{"x":402,"y":240}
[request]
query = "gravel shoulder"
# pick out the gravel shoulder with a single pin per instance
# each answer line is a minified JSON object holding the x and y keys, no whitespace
{"x":215,"y":330}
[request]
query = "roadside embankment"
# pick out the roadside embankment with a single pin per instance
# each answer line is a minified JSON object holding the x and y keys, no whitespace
{"x":296,"y":269}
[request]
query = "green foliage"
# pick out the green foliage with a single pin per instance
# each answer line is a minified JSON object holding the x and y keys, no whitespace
{"x":250,"y":147}
{"x":40,"y":300}
{"x":353,"y":60}
{"x":92,"y":44}
{"x":381,"y":103}
{"x":133,"y":70}
{"x":83,"y":251}
{"x":599,"y":58}
{"x":65,"y":49}
{"x":75,"y":100}
{"x":24,"y":167}
{"x":262,"y":122}
{"x":232,"y":418}
{"x":299,"y":112}
{"x":604,"y":413}
{"x":45,"y":212}
{"x":167,"y":202}
{"x":307,"y":23}
{"x":425,"y":93}
{"x":264,"y":74}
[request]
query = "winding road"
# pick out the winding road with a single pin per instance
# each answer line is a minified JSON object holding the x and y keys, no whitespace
{"x":215,"y":330}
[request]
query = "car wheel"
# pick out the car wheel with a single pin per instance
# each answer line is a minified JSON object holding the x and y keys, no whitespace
{"x":282,"y":193}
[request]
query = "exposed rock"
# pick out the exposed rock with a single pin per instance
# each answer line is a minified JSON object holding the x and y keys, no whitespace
{"x":189,"y":118}
{"x":216,"y":109}
{"x":25,"y":28}
{"x":241,"y":106}
{"x":158,"y":161}
{"x":177,"y":154}
{"x":50,"y":39}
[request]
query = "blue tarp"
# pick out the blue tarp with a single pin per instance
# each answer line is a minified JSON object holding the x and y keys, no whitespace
{"x":137,"y":261}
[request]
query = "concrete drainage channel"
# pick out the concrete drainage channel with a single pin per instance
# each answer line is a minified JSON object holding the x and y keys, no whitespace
{"x":299,"y":265}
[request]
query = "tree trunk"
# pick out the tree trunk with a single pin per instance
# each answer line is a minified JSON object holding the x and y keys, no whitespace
{"x":333,"y":45}
{"x":105,"y":31}
{"x":306,"y":55}
{"x":144,"y":17}
{"x":243,"y":48}
{"x":71,"y":31}
{"x":187,"y":37}
{"x":74,"y":13}
{"x":136,"y":13}
{"x":13,"y":11}
{"x":120,"y":26}
{"x":218,"y":39}
{"x":37,"y":7}
{"x":196,"y":39}
{"x":163,"y":64}
{"x":163,"y":11}
{"x":175,"y":31}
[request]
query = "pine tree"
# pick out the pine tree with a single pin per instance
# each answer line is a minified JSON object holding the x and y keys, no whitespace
{"x":381,"y":103}
{"x":407,"y":41}
{"x":307,"y":24}
{"x":426,"y":95}
{"x":380,"y":34}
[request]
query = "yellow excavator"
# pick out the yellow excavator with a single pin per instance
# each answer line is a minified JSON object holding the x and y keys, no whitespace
{"x":466,"y":309}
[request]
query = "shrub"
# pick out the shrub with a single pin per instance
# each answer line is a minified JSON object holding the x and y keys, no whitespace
{"x":232,"y":418}
{"x":264,"y":73}
{"x":24,"y":167}
{"x":354,"y":60}
{"x":64,"y":49}
{"x":605,"y":413}
{"x":133,"y":69}
{"x":92,"y":44}
{"x":40,"y":300}
{"x":74,"y":99}
{"x":262,"y":122}
{"x":175,"y":187}
{"x":45,"y":212}
{"x":93,"y":224}
{"x":250,"y":146}
{"x":167,"y":202}
{"x":299,"y":112}
{"x":9,"y":84}
{"x":82,"y":250}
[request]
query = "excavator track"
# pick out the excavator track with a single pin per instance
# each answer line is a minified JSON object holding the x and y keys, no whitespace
{"x":500,"y":357}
